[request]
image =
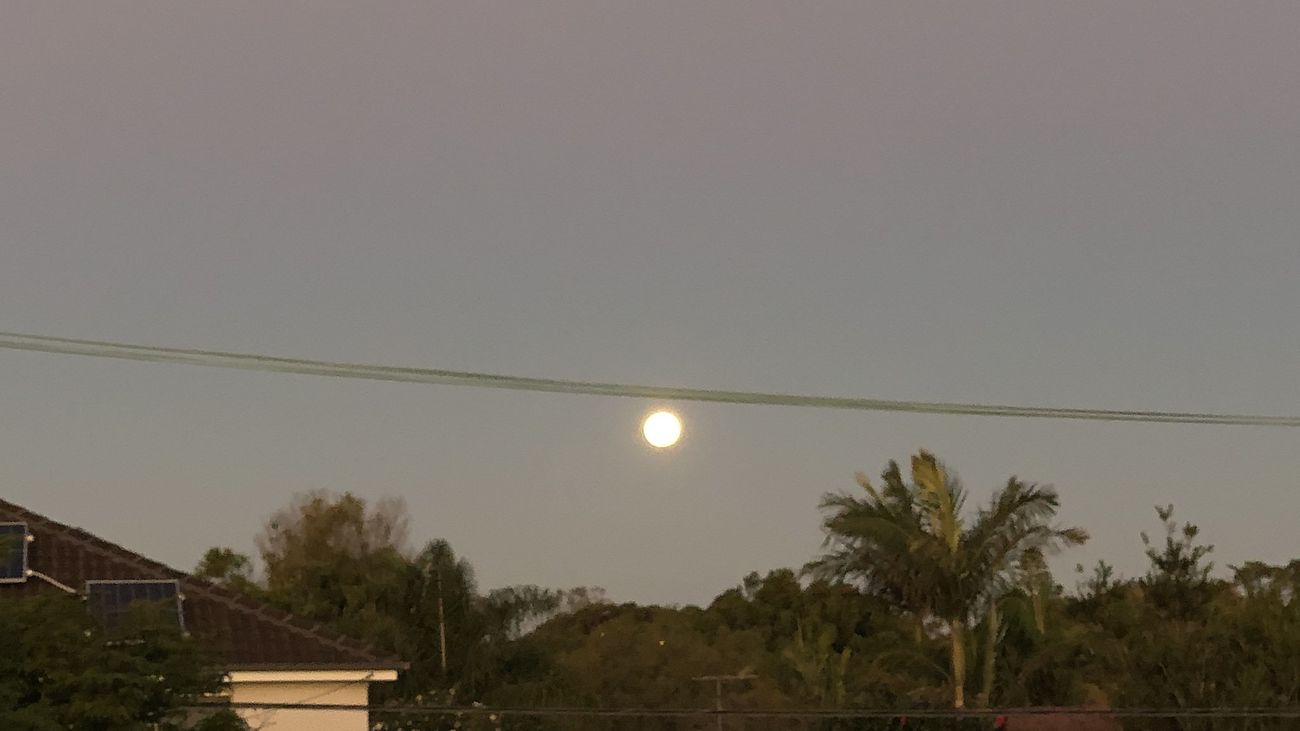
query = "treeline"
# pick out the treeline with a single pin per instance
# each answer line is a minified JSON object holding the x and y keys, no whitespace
{"x":62,"y":669}
{"x":919,"y":601}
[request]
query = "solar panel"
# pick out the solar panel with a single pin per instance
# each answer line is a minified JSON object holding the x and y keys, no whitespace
{"x":13,"y":552}
{"x":111,"y":601}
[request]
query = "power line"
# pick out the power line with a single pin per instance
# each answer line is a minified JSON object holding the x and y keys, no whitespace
{"x":254,"y":362}
{"x":1219,"y":712}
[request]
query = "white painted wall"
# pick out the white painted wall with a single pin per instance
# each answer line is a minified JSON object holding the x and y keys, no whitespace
{"x":350,"y":688}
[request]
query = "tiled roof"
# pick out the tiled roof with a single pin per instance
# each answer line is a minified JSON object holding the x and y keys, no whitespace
{"x":245,"y":633}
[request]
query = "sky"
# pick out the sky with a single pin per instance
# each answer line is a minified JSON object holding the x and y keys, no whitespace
{"x":1060,"y":204}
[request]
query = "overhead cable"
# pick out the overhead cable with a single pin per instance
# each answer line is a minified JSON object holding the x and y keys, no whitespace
{"x":1216,"y":712}
{"x":254,"y":362}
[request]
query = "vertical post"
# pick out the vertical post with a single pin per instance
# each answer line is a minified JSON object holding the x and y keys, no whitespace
{"x":717,"y":681}
{"x":442,"y":628}
{"x":718,"y":700}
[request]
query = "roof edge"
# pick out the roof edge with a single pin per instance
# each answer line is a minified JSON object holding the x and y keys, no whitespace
{"x":310,"y":667}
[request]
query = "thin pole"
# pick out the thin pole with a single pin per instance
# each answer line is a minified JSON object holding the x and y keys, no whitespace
{"x":717,"y":681}
{"x":442,"y":627}
{"x":718,"y":700}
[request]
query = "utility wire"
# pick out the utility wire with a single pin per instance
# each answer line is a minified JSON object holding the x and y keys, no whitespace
{"x":253,"y":362}
{"x":1218,"y":712}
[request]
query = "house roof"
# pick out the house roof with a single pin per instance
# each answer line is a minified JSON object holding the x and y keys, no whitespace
{"x":245,"y":633}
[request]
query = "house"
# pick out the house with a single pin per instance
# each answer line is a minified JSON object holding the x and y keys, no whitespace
{"x":270,"y":656}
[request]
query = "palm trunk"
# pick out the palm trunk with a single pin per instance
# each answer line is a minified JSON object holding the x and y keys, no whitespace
{"x":1040,"y":608}
{"x":994,"y":626}
{"x":957,"y":629}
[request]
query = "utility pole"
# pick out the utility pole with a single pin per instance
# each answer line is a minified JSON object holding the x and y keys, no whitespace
{"x":442,"y":628}
{"x":717,"y":681}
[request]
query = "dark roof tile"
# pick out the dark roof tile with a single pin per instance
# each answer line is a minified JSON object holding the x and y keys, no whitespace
{"x":245,"y":633}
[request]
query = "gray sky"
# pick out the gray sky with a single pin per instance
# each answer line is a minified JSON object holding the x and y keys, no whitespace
{"x":1084,"y":204}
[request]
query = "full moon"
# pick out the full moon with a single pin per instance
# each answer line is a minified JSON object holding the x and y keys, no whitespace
{"x":662,"y":429}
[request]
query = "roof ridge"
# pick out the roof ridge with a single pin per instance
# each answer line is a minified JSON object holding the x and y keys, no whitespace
{"x":235,"y":600}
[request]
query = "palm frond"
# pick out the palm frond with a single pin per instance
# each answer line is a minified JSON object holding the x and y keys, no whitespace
{"x":908,"y":542}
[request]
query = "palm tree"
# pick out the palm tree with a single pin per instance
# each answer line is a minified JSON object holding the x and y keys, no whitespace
{"x":909,"y":543}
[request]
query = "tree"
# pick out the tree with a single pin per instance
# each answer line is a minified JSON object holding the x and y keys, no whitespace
{"x":630,"y":656}
{"x":440,"y":620}
{"x":61,"y":670}
{"x":822,"y":671}
{"x":226,"y":567}
{"x":340,"y":561}
{"x":909,"y":543}
{"x":457,"y":639}
{"x":332,"y":559}
{"x":1179,"y":579}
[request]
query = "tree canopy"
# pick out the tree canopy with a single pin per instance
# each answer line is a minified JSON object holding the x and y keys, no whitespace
{"x":910,"y":542}
{"x":62,"y":670}
{"x":913,"y":589}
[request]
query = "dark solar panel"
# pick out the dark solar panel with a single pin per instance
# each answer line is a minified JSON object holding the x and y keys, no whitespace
{"x":13,"y":552}
{"x":111,"y":601}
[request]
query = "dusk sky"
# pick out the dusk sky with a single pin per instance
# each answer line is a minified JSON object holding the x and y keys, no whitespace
{"x":1067,"y":204}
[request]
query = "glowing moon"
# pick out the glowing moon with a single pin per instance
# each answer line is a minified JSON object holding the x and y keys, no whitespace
{"x":662,"y":429}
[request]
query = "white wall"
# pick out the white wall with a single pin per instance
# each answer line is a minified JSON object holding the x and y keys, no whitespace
{"x":327,"y":687}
